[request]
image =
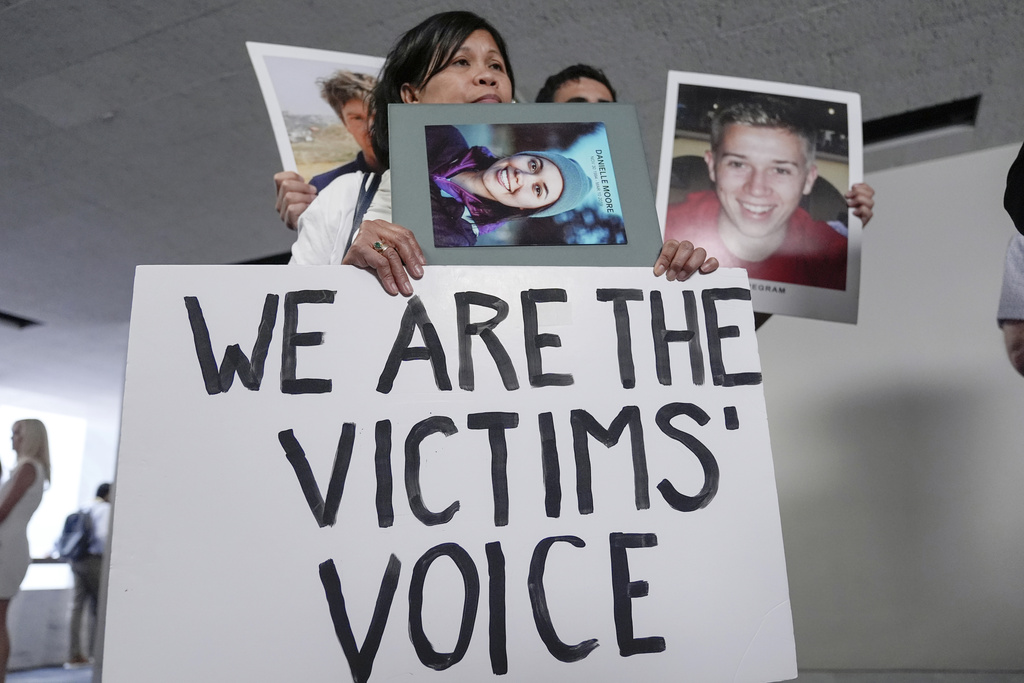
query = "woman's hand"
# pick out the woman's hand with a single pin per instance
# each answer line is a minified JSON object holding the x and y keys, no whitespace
{"x":294,"y":194}
{"x":861,"y":198}
{"x":680,"y":260}
{"x":401,"y":258}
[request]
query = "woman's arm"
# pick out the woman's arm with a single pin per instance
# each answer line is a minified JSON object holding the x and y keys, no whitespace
{"x":21,"y":479}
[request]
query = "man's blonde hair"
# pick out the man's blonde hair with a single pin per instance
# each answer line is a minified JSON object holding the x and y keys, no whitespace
{"x":764,"y":112}
{"x":343,"y":86}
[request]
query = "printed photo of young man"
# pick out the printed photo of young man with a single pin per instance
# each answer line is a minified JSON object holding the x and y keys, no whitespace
{"x":762,"y":164}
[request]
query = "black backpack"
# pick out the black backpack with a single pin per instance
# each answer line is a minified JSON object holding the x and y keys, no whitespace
{"x":77,"y":535}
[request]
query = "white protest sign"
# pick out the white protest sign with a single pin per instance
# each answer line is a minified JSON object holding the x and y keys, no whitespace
{"x":535,"y":473}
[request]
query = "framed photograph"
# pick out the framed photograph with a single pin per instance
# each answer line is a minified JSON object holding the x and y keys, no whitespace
{"x":311,"y":136}
{"x":755,"y":172}
{"x":523,"y":184}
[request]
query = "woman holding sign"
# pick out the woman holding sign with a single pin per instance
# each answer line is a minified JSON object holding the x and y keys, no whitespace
{"x":449,"y":58}
{"x":19,"y":497}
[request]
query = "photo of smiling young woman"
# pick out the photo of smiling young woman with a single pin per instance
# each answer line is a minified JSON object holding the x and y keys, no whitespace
{"x":522,"y":185}
{"x":525,"y":181}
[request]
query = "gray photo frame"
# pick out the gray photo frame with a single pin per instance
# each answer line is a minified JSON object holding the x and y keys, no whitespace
{"x":411,"y":196}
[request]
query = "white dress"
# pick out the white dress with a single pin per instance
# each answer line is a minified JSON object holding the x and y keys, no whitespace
{"x":14,"y":555}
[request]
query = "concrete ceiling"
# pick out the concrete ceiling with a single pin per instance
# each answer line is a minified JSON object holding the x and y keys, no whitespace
{"x":133,"y":132}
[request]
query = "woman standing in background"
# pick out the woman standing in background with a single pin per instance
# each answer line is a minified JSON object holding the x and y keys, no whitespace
{"x":19,"y":498}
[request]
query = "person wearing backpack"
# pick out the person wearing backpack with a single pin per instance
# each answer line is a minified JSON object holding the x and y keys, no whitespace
{"x":87,"y":575}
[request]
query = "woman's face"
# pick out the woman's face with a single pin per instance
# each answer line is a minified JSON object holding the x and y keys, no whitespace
{"x":17,"y":436}
{"x":523,"y":181}
{"x":476,"y":73}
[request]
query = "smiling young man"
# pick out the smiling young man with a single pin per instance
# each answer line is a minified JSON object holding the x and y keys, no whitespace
{"x":761,"y":162}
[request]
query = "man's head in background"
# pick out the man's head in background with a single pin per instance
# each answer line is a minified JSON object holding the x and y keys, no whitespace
{"x":346,"y":92}
{"x":577,"y":83}
{"x":762,"y":163}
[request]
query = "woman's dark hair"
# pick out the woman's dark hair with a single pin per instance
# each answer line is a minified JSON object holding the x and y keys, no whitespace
{"x":420,"y":54}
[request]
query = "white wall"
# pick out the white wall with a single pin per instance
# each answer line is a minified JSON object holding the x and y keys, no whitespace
{"x":898,"y":441}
